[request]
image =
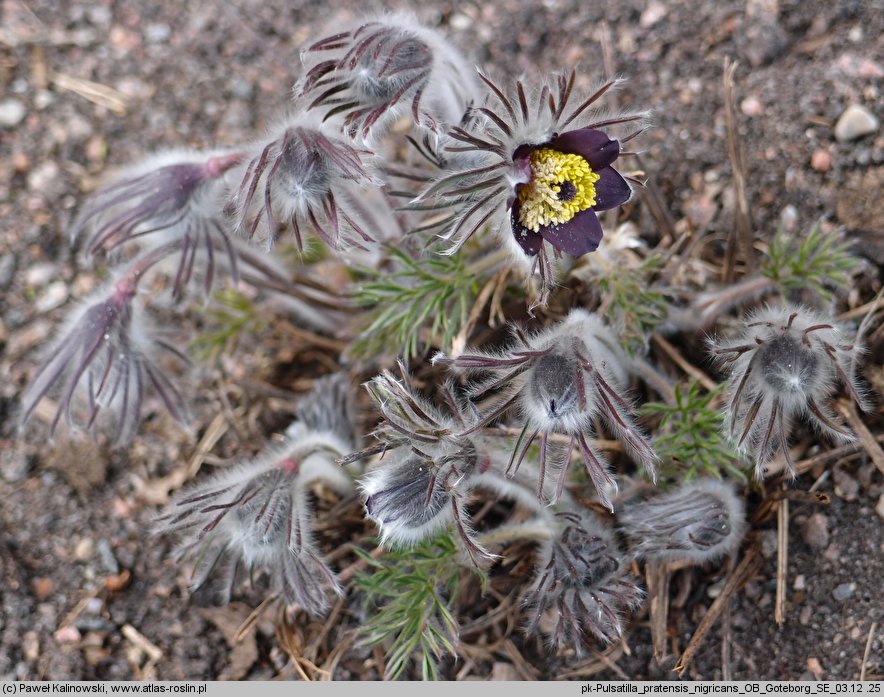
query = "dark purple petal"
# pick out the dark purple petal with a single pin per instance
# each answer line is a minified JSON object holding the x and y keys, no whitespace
{"x":578,"y":236}
{"x":611,"y":190}
{"x":528,"y":240}
{"x":594,"y":146}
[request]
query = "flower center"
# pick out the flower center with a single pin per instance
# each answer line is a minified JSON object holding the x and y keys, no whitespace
{"x":561,"y":186}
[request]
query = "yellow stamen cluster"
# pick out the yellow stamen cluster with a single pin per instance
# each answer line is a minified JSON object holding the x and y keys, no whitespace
{"x":561,"y":186}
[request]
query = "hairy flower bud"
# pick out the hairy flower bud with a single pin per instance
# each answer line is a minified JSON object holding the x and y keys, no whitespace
{"x":303,"y":179}
{"x":787,"y":362}
{"x":582,"y":583}
{"x":377,"y":70}
{"x":257,"y":515}
{"x":169,"y":197}
{"x":700,"y":521}
{"x":104,"y":363}
{"x":563,"y":378}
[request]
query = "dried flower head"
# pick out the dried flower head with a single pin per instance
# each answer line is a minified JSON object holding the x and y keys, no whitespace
{"x":303,"y":179}
{"x":257,"y":515}
{"x":105,"y":361}
{"x":421,"y":482}
{"x":379,"y":69}
{"x":536,"y":170}
{"x":787,"y":362}
{"x":563,"y":378}
{"x":699,"y":522}
{"x":171,"y":196}
{"x":582,"y":582}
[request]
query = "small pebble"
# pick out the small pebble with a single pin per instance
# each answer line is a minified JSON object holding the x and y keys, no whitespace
{"x":855,"y":122}
{"x":84,"y":550}
{"x":42,"y":176}
{"x":846,"y":487}
{"x":54,"y":295}
{"x":31,"y":646}
{"x":821,"y":160}
{"x":67,"y":634}
{"x":460,"y":21}
{"x":12,"y":113}
{"x":805,"y":615}
{"x":13,"y":464}
{"x":40,"y":274}
{"x":106,"y":555}
{"x":43,"y":587}
{"x":815,"y":531}
{"x":752,"y":106}
{"x":7,"y":269}
{"x":843,"y":591}
{"x":242,"y":89}
{"x":879,"y":509}
{"x":789,"y":218}
{"x":800,"y":583}
{"x":157,"y":33}
{"x":654,"y":12}
{"x":815,"y":667}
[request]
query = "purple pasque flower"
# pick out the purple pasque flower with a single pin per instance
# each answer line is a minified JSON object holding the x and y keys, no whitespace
{"x":429,"y":457}
{"x":535,"y":169}
{"x":376,"y":70}
{"x":568,"y":181}
{"x":701,"y":521}
{"x":307,"y":179}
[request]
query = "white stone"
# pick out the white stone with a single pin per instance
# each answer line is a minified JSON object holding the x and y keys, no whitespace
{"x":855,"y":122}
{"x":12,"y":112}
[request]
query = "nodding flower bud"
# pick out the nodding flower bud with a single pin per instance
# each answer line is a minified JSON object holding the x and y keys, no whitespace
{"x":257,"y":516}
{"x":303,"y":180}
{"x":425,"y":475}
{"x":171,"y":196}
{"x":374,"y":72}
{"x":563,"y":378}
{"x":787,"y":362}
{"x":103,"y":363}
{"x":699,"y":522}
{"x":582,"y":583}
{"x":409,"y":498}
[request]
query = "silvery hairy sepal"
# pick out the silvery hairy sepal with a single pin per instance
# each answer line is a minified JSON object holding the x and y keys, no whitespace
{"x":170,"y":196}
{"x":701,"y":521}
{"x":106,"y":360}
{"x":257,"y":516}
{"x":423,"y":478}
{"x":562,"y":379}
{"x":306,"y":178}
{"x":582,"y":585}
{"x":375,"y":71}
{"x":786,"y":363}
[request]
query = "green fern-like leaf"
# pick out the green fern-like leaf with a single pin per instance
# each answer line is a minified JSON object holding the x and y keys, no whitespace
{"x":231,"y":315}
{"x":816,"y":260}
{"x":632,"y":303}
{"x":691,"y":440}
{"x":423,"y":300}
{"x":408,"y":594}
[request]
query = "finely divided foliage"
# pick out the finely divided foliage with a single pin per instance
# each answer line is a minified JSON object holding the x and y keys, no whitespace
{"x":421,"y":203}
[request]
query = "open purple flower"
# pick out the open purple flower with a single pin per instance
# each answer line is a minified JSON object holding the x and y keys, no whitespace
{"x":534,"y":168}
{"x":566,"y":182}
